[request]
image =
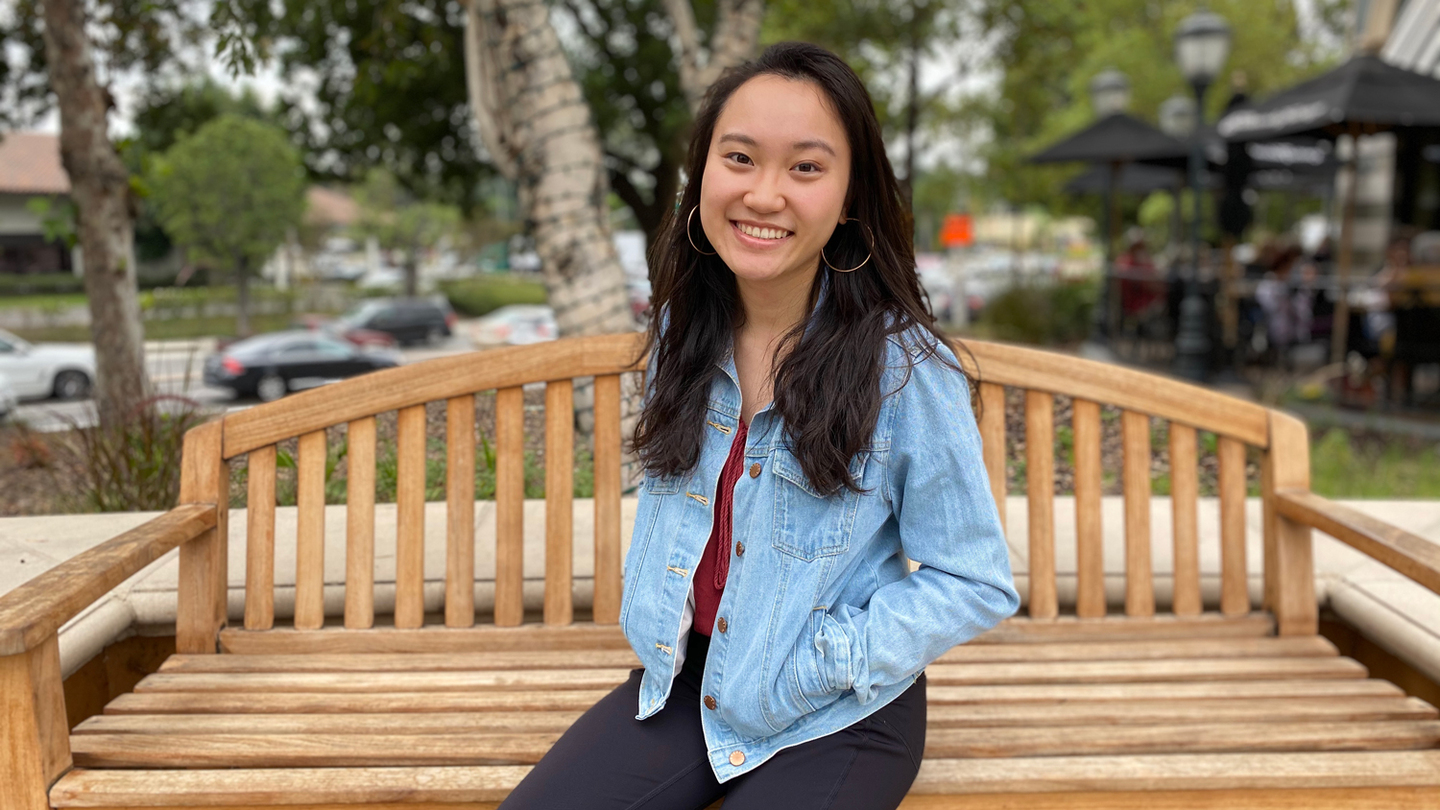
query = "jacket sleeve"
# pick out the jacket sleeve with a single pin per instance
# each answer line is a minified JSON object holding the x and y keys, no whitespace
{"x":948,"y":522}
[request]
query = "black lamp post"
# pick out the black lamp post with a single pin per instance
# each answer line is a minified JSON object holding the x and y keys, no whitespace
{"x":1109,"y":94}
{"x":1202,"y":43}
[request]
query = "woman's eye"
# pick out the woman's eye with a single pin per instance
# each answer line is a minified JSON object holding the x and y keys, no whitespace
{"x":813,"y":168}
{"x":739,"y":157}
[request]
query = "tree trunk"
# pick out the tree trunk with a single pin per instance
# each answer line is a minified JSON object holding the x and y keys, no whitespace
{"x":535,"y":125}
{"x":100,"y":187}
{"x":737,"y":31}
{"x":242,"y":297}
{"x":912,"y":111}
{"x":412,"y":272}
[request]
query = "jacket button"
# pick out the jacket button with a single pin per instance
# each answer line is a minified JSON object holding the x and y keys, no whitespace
{"x":709,"y":702}
{"x":755,"y":470}
{"x":739,"y":549}
{"x":722,"y":624}
{"x":737,"y":759}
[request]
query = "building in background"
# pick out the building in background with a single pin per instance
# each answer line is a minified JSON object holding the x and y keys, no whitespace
{"x":31,"y":173}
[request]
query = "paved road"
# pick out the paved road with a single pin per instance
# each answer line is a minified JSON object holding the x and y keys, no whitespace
{"x":175,"y":368}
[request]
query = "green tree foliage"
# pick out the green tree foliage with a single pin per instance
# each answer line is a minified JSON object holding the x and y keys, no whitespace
{"x":229,"y":194}
{"x":400,"y":221}
{"x":1050,"y":51}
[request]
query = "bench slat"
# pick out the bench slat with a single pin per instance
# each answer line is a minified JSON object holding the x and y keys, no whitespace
{"x":1089,"y":538}
{"x":410,"y":517}
{"x":343,"y":750}
{"x":509,"y":507}
{"x":260,"y":539}
{"x":606,"y":437}
{"x":460,"y":511}
{"x":559,"y":497}
{"x":1137,"y":712}
{"x":1234,"y":588}
{"x":568,"y":699}
{"x":1040,"y":498}
{"x":1302,"y":646}
{"x":360,"y":524}
{"x":1135,"y":475}
{"x":1185,"y":519}
{"x":992,"y":436}
{"x":1201,"y":772}
{"x":310,"y":531}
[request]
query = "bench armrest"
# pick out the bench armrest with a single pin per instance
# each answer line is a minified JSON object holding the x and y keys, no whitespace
{"x":1410,"y":554}
{"x":32,"y":612}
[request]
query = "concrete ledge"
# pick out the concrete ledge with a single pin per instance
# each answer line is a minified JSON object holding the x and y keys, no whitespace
{"x":1395,"y":612}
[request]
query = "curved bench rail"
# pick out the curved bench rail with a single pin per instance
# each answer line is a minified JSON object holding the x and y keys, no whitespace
{"x":428,"y":381}
{"x":1408,"y":553}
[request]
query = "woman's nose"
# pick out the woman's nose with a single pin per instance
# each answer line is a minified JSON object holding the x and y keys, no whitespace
{"x":765,"y":196}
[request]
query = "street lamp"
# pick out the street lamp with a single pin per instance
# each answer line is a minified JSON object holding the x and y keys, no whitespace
{"x":1177,"y":119}
{"x":1109,"y":94}
{"x":1202,"y":43}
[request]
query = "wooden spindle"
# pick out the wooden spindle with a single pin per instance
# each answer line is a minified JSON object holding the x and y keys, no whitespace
{"x":992,"y":436}
{"x":1234,"y":589}
{"x":608,"y":585}
{"x":509,"y":506}
{"x":559,"y":498}
{"x":203,"y":584}
{"x":310,"y":532}
{"x":1185,"y":527}
{"x":460,"y":511}
{"x":360,"y":525}
{"x":1289,"y":558}
{"x":1040,"y":494}
{"x":1089,"y":538}
{"x":1135,"y":442}
{"x":260,"y":539}
{"x":410,"y":518}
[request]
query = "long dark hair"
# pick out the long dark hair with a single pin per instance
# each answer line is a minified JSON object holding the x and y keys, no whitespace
{"x":827,"y":389}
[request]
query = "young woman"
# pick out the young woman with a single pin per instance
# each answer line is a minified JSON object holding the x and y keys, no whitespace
{"x":805,"y":431}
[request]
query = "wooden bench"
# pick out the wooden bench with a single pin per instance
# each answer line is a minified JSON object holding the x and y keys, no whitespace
{"x":1238,"y":706}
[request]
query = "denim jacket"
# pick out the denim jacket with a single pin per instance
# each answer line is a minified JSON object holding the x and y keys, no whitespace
{"x":825,"y":622}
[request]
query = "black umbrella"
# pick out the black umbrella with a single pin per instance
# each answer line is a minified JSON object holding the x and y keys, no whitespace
{"x":1365,"y":92}
{"x":1133,"y":178}
{"x":1364,"y":95}
{"x":1115,"y":138}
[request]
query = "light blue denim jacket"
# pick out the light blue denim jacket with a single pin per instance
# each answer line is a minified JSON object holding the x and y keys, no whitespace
{"x":825,"y":622}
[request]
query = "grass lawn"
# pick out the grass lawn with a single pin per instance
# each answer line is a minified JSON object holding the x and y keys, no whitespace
{"x":43,"y":301}
{"x":1344,"y":464}
{"x":179,"y":329}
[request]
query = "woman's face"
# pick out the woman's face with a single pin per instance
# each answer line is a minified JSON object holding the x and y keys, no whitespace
{"x":775,"y":180}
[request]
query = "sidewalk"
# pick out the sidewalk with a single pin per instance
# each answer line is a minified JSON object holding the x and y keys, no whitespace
{"x":1391,"y":610}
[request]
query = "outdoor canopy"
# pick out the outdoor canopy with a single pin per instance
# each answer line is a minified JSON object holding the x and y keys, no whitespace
{"x":1116,"y":138}
{"x":1365,"y":91}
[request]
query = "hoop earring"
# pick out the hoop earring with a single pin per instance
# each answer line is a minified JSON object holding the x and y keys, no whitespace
{"x":691,"y":238}
{"x":867,"y":254}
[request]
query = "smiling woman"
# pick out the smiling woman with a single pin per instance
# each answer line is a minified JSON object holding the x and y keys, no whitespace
{"x":801,"y":441}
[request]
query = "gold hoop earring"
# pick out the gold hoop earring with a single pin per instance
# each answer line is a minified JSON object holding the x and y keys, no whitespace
{"x":867,"y":254}
{"x":691,"y":238}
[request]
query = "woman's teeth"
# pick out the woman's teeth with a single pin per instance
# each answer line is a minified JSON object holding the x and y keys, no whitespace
{"x":762,"y":233}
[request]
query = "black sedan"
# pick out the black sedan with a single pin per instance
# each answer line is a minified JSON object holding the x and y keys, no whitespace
{"x":270,"y":366}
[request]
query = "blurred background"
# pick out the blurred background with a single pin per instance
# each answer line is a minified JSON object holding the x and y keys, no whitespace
{"x":205,"y":204}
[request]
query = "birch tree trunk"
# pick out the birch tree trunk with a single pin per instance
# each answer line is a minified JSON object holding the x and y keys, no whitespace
{"x":100,"y":187}
{"x":737,"y":32}
{"x":537,"y":128}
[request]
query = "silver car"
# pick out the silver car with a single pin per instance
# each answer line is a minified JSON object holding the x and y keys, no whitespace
{"x":8,"y":398}
{"x":40,"y":370}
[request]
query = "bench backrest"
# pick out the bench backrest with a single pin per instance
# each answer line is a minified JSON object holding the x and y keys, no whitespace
{"x":1038,"y":376}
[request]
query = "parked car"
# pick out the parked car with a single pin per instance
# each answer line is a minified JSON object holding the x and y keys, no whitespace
{"x":360,"y":336}
{"x":515,"y":324}
{"x":40,"y":370}
{"x":9,"y":400}
{"x":270,"y":366}
{"x":408,"y":320}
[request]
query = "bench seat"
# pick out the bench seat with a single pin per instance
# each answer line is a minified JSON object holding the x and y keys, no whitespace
{"x":1020,"y":711}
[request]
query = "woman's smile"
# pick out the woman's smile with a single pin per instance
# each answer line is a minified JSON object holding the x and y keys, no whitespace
{"x":757,"y":236}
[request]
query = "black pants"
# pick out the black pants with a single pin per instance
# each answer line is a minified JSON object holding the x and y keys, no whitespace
{"x":608,"y":760}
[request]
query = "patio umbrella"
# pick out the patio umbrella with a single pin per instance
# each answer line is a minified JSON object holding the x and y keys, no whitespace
{"x":1133,"y":178}
{"x":1116,"y":138}
{"x":1363,"y":96}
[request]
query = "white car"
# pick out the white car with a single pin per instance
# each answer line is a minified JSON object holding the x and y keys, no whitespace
{"x":516,"y":325}
{"x":40,"y":370}
{"x":8,"y":398}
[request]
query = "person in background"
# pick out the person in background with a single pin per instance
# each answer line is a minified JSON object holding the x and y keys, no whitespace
{"x":1285,"y":303}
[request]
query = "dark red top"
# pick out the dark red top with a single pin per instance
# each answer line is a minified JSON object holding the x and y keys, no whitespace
{"x":714,"y":564}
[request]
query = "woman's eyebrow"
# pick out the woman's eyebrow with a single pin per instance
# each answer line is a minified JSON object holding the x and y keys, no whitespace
{"x":816,"y":143}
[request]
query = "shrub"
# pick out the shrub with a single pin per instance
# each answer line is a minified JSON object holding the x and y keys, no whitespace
{"x":1042,"y":314}
{"x":480,"y":295}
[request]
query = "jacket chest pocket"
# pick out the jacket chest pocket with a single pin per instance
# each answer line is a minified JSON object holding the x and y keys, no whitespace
{"x":806,"y":525}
